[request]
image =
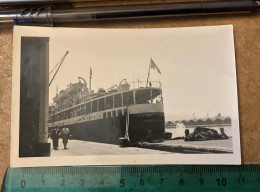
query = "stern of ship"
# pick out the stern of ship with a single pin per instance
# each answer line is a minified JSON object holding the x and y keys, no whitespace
{"x":146,"y":119}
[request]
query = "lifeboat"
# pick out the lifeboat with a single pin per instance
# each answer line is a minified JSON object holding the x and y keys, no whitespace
{"x":74,"y":88}
{"x":60,"y":97}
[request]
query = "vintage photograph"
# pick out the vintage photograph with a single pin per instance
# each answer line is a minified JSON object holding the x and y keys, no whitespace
{"x":124,"y":96}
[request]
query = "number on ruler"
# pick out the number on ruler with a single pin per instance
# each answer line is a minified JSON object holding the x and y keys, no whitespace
{"x":181,"y":181}
{"x":62,"y":182}
{"x":42,"y":179}
{"x":122,"y":183}
{"x":23,"y":183}
{"x":141,"y":181}
{"x":81,"y":182}
{"x":201,"y":181}
{"x":222,"y":181}
{"x":161,"y":181}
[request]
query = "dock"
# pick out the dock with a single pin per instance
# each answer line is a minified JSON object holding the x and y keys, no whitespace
{"x":79,"y":147}
{"x":181,"y":146}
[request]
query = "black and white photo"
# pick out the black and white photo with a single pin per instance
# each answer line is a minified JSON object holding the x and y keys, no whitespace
{"x":124,"y":96}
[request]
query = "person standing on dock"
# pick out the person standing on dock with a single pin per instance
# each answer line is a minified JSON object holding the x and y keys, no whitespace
{"x":65,"y":136}
{"x":55,"y":137}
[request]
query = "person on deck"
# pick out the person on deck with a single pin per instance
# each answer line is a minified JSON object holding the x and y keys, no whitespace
{"x":55,"y":137}
{"x":65,"y":136}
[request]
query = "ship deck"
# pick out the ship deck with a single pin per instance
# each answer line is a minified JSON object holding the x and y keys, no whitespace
{"x":78,"y":147}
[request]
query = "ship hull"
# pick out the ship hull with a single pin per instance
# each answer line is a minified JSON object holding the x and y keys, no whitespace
{"x":109,"y":130}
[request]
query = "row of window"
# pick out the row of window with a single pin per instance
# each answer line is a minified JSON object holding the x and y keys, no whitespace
{"x":110,"y":102}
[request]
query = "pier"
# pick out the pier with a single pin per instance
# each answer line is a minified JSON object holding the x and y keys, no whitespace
{"x":181,"y":146}
{"x":79,"y":147}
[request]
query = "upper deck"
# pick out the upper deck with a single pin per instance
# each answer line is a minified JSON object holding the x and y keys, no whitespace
{"x":111,"y":99}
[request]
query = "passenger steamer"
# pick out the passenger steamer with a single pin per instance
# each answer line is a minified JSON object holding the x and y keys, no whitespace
{"x":122,"y":111}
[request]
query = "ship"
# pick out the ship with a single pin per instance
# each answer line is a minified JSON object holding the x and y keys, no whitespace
{"x":126,"y":111}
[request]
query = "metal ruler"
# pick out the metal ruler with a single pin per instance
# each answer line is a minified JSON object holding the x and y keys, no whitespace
{"x":134,"y":178}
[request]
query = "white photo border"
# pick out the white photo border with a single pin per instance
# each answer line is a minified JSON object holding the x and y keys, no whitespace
{"x":146,"y":159}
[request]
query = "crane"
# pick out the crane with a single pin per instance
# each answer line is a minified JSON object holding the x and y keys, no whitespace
{"x":58,"y":65}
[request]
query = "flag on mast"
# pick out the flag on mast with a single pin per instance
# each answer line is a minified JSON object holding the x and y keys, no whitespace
{"x":154,"y":66}
{"x":90,"y":71}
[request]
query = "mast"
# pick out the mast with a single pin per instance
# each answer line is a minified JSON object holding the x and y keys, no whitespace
{"x":90,"y":76}
{"x":148,"y":73}
{"x":57,"y":90}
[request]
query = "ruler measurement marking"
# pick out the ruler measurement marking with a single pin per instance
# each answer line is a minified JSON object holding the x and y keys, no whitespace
{"x":237,"y":178}
{"x":42,"y":179}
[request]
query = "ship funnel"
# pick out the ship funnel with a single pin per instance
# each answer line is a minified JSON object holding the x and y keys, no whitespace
{"x":121,"y":82}
{"x":123,"y":85}
{"x":85,"y":83}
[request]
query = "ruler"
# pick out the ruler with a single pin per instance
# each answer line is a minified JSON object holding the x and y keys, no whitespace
{"x":133,"y":178}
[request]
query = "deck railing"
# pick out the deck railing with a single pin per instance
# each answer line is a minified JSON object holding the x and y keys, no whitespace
{"x":138,"y":84}
{"x":134,"y":84}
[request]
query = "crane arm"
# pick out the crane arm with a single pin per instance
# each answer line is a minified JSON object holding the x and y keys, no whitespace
{"x":62,"y":59}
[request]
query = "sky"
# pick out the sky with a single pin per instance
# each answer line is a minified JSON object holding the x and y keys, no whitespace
{"x":197,"y":64}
